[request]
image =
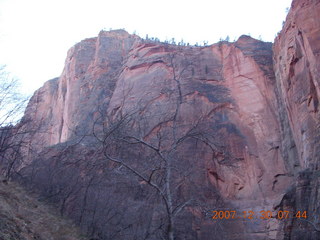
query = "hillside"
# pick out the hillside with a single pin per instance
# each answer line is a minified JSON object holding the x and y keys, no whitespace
{"x":23,"y":217}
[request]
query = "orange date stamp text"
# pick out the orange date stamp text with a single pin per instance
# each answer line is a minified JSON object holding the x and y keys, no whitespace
{"x":264,"y":215}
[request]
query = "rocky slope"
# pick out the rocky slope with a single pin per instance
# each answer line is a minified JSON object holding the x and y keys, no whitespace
{"x":22,"y":217}
{"x":259,"y":104}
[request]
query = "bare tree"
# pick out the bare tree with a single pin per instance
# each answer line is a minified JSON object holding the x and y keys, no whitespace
{"x":12,"y":105}
{"x":12,"y":102}
{"x":76,"y":179}
{"x":160,"y":150}
{"x":155,"y":144}
{"x":160,"y":158}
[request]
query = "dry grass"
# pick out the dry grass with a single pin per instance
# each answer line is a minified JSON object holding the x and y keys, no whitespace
{"x":22,"y":217}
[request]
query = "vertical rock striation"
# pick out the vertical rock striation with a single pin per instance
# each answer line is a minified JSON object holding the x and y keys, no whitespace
{"x":297,"y":66}
{"x":261,"y":100}
{"x":62,"y":105}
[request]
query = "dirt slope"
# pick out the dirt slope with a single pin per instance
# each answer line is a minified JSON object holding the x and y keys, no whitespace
{"x":23,"y":217}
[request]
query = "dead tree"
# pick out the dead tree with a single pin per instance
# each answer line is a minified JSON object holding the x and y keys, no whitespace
{"x":157,"y":160}
{"x":155,"y":154}
{"x":12,"y":132}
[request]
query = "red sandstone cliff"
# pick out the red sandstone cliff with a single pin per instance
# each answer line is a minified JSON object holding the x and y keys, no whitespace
{"x":297,"y":66}
{"x":234,"y":81}
{"x":266,"y":121}
{"x":231,"y":85}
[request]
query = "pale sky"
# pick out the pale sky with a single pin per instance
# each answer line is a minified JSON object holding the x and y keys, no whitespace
{"x":35,"y":35}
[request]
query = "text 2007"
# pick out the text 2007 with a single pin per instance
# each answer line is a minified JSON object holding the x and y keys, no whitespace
{"x":260,"y":215}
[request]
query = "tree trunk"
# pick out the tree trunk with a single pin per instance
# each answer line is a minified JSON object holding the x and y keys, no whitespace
{"x":170,"y":229}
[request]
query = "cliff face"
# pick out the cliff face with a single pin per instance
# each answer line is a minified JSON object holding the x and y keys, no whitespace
{"x":265,"y":121}
{"x":231,"y":83}
{"x":297,"y":64}
{"x":231,"y":86}
{"x":297,"y":55}
{"x":88,"y":80}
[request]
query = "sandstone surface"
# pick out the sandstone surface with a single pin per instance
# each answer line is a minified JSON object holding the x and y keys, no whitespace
{"x":260,"y":106}
{"x":296,"y":64}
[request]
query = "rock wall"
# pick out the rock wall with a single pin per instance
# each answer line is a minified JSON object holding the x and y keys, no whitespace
{"x":230,"y":85}
{"x":296,"y":64}
{"x":261,"y":100}
{"x":234,"y":81}
{"x":296,"y":56}
{"x":87,"y":81}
